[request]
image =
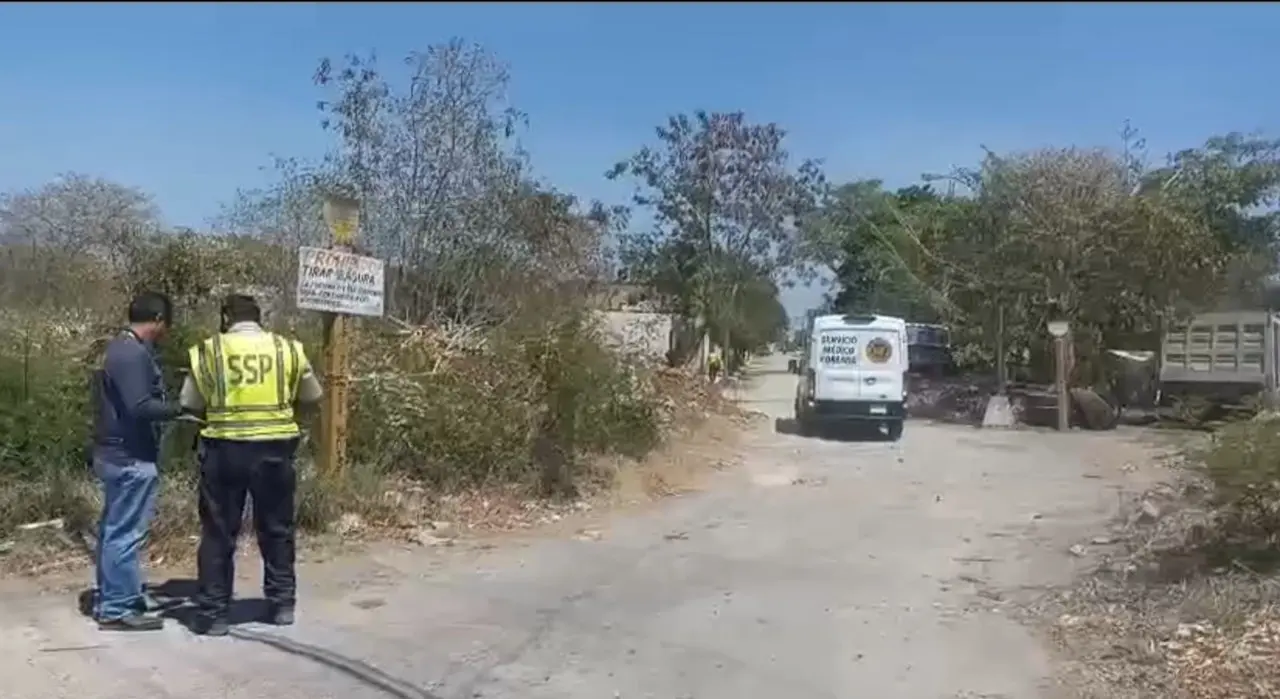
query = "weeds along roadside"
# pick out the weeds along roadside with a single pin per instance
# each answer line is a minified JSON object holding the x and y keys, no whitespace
{"x":1190,"y":605}
{"x":531,"y":408}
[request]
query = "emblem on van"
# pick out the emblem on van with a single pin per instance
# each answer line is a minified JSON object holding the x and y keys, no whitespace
{"x":879,"y":350}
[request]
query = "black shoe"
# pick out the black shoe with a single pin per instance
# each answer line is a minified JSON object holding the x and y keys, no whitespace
{"x":212,"y":625}
{"x":132,"y":622}
{"x":281,"y":616}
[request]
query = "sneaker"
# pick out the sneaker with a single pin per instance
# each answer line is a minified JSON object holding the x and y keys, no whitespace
{"x":132,"y":622}
{"x":281,"y":616}
{"x":144,"y":604}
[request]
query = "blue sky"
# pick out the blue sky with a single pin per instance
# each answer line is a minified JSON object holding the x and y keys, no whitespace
{"x":189,"y":100}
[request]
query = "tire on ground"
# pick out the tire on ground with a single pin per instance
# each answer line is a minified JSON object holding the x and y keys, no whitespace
{"x":1094,"y":412}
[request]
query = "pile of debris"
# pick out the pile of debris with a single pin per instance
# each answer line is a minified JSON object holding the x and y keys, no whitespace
{"x":963,"y":400}
{"x":957,"y":399}
{"x":686,"y":395}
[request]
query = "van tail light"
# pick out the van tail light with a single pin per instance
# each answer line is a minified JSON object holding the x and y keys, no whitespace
{"x":810,"y":382}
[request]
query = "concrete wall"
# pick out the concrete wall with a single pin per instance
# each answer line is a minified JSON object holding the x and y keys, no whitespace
{"x":649,"y":335}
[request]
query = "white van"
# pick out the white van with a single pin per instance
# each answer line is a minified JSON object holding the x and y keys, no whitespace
{"x":853,"y":370}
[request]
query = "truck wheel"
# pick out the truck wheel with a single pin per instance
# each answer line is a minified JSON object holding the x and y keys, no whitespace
{"x":895,"y":430}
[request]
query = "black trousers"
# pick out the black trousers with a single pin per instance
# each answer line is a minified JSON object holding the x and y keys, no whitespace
{"x":230,"y":470}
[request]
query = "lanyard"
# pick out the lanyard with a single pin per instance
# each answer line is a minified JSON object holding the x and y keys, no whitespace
{"x":155,"y":362}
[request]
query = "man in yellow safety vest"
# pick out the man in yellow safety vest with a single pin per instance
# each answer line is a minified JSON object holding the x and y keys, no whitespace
{"x":246,"y":380}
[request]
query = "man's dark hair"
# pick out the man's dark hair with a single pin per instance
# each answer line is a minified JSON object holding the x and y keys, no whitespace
{"x":151,"y":307}
{"x":239,"y":308}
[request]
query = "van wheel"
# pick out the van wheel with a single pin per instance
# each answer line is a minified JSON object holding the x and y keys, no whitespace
{"x":804,"y":427}
{"x":894,"y":430}
{"x":797,"y":419}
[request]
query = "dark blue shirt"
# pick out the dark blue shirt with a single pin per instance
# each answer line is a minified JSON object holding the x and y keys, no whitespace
{"x":130,"y":401}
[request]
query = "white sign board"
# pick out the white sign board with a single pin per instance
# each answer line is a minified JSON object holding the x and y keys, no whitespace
{"x":339,"y":282}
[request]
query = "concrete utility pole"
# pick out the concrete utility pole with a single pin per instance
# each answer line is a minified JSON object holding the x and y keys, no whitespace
{"x":342,"y":214}
{"x":1002,"y":372}
{"x":1270,"y":358}
{"x":998,"y":412}
{"x":1059,"y":329}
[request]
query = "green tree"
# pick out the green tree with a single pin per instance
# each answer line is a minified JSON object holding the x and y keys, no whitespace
{"x":724,"y":198}
{"x":1227,"y":182}
{"x":875,"y":265}
{"x":1231,"y":184}
{"x":1075,"y":233}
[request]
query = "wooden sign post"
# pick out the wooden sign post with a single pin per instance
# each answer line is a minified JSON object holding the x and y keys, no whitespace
{"x":342,"y":215}
{"x":343,"y":218}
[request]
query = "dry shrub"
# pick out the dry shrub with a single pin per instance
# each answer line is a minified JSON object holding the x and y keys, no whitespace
{"x":46,"y":361}
{"x":1243,"y":464}
{"x":363,"y":492}
{"x":43,"y":391}
{"x":681,"y":465}
{"x":1191,"y":609}
{"x":524,"y":404}
{"x":176,"y":527}
{"x":43,"y":420}
{"x":63,"y":494}
{"x":1212,"y":662}
{"x":527,"y":405}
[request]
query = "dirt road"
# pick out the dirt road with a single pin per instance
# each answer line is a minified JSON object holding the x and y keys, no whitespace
{"x":815,"y":569}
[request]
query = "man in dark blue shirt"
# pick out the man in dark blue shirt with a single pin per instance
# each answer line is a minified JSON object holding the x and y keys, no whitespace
{"x":131,"y":407}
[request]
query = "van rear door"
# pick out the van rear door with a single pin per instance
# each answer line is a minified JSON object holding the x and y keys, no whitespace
{"x":837,"y":357}
{"x":858,"y":364}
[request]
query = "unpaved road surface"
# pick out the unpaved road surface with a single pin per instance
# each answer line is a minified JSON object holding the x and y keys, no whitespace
{"x":813,"y":569}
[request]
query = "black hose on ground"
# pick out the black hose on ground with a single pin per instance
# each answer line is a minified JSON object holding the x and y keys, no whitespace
{"x":358,"y":669}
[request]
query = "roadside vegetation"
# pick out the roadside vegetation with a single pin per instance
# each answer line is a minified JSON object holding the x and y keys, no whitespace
{"x":1101,"y":237}
{"x":1185,"y":598}
{"x":1188,"y":602}
{"x":491,"y":376}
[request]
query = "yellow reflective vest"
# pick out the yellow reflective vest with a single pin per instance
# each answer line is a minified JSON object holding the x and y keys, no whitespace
{"x":249,"y":382}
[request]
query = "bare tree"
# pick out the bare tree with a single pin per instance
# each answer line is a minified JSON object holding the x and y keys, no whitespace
{"x":285,"y":214}
{"x":436,"y":164}
{"x":447,"y":197}
{"x":77,"y":213}
{"x":74,"y":231}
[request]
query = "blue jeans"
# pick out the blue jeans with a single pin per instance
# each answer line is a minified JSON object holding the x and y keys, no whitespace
{"x":129,"y":489}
